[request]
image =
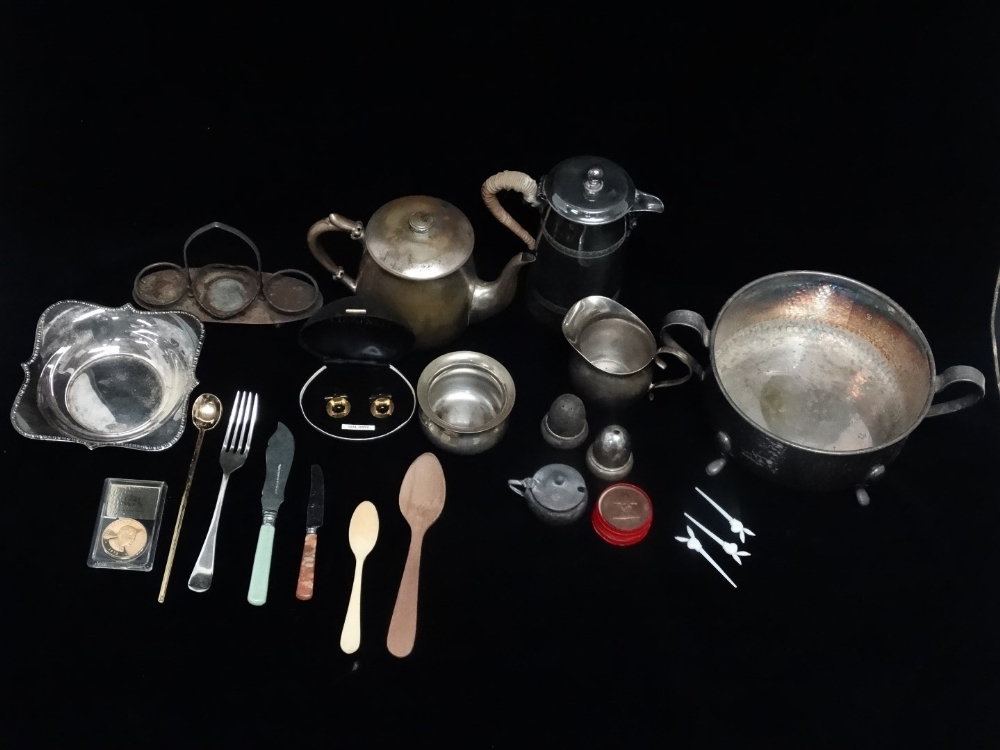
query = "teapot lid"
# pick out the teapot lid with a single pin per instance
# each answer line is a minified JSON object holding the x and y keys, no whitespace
{"x":589,"y":190}
{"x":419,"y":238}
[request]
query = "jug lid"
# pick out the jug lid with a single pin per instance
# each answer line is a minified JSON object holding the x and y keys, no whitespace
{"x":419,"y":237}
{"x":589,"y":190}
{"x":354,"y":329}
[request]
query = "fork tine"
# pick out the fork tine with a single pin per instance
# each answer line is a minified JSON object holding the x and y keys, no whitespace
{"x":240,"y":426}
{"x":253,"y":420}
{"x":247,"y":428}
{"x":232,"y":419}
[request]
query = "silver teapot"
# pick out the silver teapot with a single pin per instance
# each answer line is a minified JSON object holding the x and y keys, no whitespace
{"x":589,"y":207}
{"x":417,"y":262}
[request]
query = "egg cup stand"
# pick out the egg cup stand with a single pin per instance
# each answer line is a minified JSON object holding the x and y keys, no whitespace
{"x":224,"y":293}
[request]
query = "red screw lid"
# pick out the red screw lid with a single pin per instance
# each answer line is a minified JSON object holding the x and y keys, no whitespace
{"x":622,"y":514}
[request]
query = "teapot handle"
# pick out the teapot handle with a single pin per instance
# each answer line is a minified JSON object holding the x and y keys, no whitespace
{"x":508,"y":180}
{"x":334,"y":223}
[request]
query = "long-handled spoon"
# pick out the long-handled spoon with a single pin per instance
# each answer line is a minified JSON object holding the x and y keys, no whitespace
{"x":421,"y":498}
{"x":206,"y":412}
{"x":362,"y":534}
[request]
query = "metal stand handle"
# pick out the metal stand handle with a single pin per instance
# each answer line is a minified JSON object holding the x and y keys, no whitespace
{"x":192,"y":280}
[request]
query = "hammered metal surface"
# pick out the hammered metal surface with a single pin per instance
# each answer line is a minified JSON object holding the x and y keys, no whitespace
{"x":822,"y":365}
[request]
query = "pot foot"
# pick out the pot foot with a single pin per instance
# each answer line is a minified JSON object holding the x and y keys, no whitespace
{"x":716,"y":466}
{"x":726,"y":446}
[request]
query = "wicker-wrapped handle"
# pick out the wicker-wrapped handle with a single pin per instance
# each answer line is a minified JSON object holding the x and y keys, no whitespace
{"x":519,"y":182}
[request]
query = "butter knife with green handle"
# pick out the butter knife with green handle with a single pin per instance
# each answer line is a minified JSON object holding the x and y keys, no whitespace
{"x":280,"y":449}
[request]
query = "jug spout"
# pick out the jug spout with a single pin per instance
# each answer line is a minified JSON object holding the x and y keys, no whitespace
{"x":647,"y":202}
{"x":490,"y":298}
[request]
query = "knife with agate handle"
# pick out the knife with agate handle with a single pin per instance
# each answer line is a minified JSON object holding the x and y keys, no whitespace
{"x":314,"y":519}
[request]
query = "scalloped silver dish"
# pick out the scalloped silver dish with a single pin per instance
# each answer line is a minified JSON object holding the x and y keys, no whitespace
{"x":104,"y":376}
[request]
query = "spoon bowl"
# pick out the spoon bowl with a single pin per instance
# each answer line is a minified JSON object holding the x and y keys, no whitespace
{"x":206,"y":411}
{"x":421,"y":495}
{"x":363,"y":532}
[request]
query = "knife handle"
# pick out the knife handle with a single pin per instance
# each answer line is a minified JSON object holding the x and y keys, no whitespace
{"x":257,"y":594}
{"x":307,"y":570}
{"x":403,"y":625}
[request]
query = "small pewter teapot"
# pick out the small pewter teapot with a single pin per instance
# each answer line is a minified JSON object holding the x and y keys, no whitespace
{"x":589,"y":206}
{"x":417,"y":262}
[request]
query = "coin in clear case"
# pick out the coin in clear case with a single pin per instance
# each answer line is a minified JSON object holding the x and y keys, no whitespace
{"x":124,"y":539}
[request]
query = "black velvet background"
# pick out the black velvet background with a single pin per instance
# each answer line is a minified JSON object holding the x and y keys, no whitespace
{"x":849,"y":143}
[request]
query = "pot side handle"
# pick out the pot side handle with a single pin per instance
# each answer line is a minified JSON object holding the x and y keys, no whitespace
{"x":688,"y":319}
{"x":334,"y":223}
{"x":508,"y":180}
{"x":958,"y":374}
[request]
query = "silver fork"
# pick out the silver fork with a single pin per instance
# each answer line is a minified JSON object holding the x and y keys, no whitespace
{"x":235,"y":447}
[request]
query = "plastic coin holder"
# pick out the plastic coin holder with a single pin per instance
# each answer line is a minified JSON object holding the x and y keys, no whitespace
{"x":622,"y":514}
{"x":128,"y":524}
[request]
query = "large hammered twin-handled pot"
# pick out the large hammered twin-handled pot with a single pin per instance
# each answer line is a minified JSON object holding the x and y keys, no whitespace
{"x":417,"y":262}
{"x":817,"y":380}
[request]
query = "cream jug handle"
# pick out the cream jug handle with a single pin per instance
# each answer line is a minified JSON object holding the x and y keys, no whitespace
{"x":507,"y":180}
{"x":334,"y":223}
{"x":693,"y":368}
{"x":688,"y":319}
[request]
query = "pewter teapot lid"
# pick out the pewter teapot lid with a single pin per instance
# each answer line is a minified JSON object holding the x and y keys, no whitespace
{"x":589,"y":190}
{"x":419,"y":238}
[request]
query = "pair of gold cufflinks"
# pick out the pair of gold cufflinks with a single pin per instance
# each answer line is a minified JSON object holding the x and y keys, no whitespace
{"x":380,"y":406}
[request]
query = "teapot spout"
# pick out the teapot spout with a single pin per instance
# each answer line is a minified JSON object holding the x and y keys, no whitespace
{"x":490,"y":298}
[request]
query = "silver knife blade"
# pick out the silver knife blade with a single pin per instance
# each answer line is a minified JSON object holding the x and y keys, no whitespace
{"x":314,"y":512}
{"x":280,"y":449}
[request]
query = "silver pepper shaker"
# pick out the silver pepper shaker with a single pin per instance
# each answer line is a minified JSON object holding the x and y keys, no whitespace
{"x":609,"y":457}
